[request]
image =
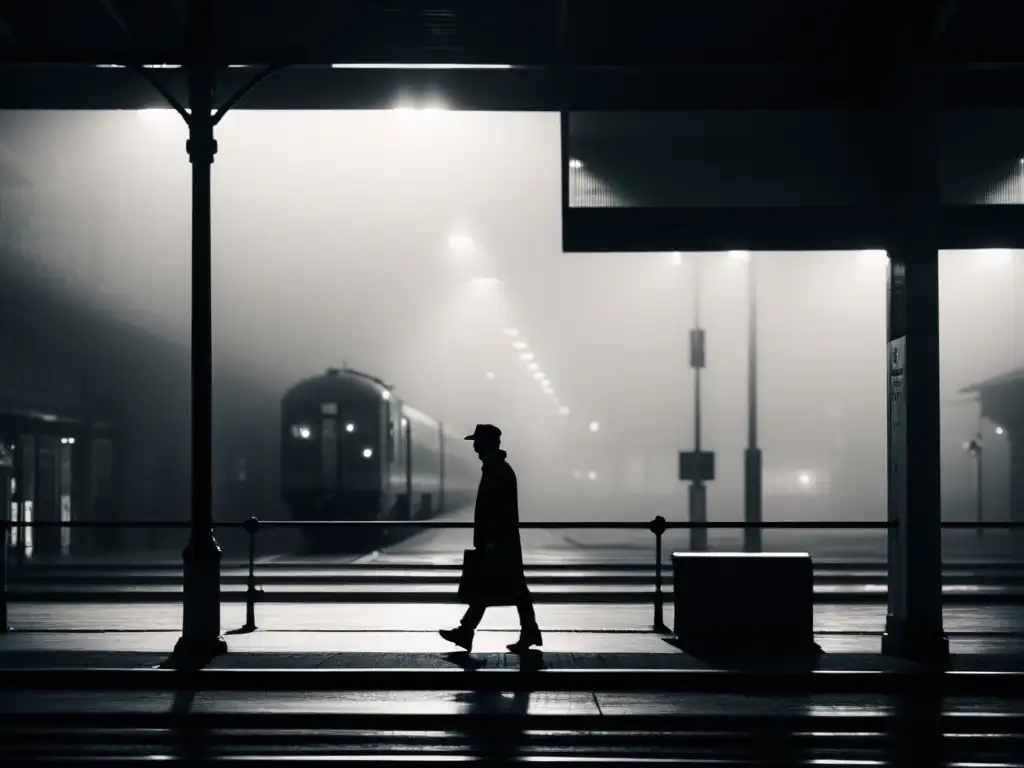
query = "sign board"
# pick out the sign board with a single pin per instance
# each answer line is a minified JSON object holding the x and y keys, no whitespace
{"x":697,"y":348}
{"x":697,"y":466}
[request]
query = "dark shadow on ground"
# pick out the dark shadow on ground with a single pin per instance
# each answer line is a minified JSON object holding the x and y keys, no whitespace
{"x":769,"y":660}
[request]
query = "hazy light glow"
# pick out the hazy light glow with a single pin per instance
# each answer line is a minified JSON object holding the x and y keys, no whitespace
{"x":677,"y":258}
{"x":594,"y":426}
{"x":874,"y":257}
{"x":538,"y":375}
{"x":460,"y":242}
{"x":350,"y":427}
{"x":741,"y":255}
{"x":489,"y":374}
{"x":398,"y":65}
{"x":533,"y":366}
{"x":1000,"y":431}
{"x":563,"y":410}
{"x":511,"y":332}
{"x":485,"y":280}
{"x":153,"y":114}
{"x":575,"y":164}
{"x":997,"y":256}
{"x":386,"y":395}
{"x":591,"y":475}
{"x":519,"y":344}
{"x":367,"y":453}
{"x":526,"y":356}
{"x":805,"y":479}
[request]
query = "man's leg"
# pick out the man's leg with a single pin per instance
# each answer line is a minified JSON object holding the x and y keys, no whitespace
{"x":462,"y":635}
{"x":529,"y":632}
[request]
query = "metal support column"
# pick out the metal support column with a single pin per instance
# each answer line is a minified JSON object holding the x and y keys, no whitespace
{"x":910,"y":194}
{"x":201,"y":633}
{"x":752,"y":516}
{"x":698,"y":490}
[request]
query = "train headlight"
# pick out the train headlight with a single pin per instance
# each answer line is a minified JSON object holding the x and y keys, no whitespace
{"x":302,"y":431}
{"x":367,"y":453}
{"x":350,"y":427}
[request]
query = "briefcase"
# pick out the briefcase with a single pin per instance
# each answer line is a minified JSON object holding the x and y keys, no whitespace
{"x":484,"y":581}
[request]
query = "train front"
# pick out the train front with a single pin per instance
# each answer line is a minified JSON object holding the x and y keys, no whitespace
{"x":334,"y":436}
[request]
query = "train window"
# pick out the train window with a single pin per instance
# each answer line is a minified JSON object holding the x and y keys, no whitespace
{"x":329,"y":409}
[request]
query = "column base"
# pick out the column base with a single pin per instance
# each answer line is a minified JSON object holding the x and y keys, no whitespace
{"x":903,"y":640}
{"x":201,"y":638}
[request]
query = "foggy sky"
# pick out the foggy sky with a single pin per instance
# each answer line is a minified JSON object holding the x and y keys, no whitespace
{"x":331,"y":241}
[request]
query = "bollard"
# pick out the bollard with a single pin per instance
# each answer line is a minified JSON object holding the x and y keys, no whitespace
{"x":251,"y":526}
{"x":658,"y":528}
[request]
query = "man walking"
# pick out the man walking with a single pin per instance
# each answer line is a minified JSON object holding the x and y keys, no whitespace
{"x":496,"y":534}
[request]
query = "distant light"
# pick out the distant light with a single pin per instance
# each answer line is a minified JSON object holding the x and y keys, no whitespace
{"x":547,"y":390}
{"x":511,"y":332}
{"x":591,"y":475}
{"x":405,"y":422}
{"x":367,"y":453}
{"x":64,"y":441}
{"x":1000,"y":431}
{"x":489,"y":374}
{"x":526,"y":356}
{"x":350,"y":427}
{"x":741,"y":255}
{"x":544,"y":382}
{"x":577,"y":474}
{"x":538,"y":375}
{"x":563,"y":410}
{"x":533,"y":366}
{"x":575,"y":164}
{"x":155,"y":113}
{"x":677,"y":258}
{"x":161,"y":66}
{"x":997,"y":256}
{"x":594,"y":426}
{"x":385,"y":394}
{"x":519,"y":344}
{"x":805,"y":479}
{"x":396,"y":65}
{"x":71,"y":440}
{"x":874,"y":257}
{"x":460,"y":242}
{"x":302,"y":432}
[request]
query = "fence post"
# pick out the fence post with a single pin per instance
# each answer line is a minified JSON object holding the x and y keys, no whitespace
{"x":658,"y":528}
{"x":251,"y":526}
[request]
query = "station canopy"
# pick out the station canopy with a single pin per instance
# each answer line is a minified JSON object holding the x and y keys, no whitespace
{"x":519,"y":55}
{"x":686,"y":125}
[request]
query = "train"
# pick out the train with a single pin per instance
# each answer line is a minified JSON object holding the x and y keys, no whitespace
{"x":352,"y":450}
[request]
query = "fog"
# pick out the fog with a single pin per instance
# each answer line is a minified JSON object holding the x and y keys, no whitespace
{"x":407,"y":245}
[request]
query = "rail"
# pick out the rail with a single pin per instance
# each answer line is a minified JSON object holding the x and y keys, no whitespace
{"x":658,"y":526}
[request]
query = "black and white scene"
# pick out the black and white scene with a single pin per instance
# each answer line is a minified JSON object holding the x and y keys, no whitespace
{"x":512,"y":381}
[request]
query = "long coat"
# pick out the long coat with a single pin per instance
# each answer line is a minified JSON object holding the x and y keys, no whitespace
{"x":496,"y":518}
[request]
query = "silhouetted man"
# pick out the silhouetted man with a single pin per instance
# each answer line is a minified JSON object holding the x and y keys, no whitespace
{"x":496,"y":533}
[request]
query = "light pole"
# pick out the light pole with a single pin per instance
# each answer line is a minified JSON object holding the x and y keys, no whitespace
{"x":752,"y":456}
{"x":698,"y":489}
{"x":976,"y":448}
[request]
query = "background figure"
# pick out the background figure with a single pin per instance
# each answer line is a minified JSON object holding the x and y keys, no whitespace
{"x":496,"y":534}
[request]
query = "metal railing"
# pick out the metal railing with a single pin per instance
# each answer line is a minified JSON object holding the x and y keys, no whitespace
{"x":658,"y":526}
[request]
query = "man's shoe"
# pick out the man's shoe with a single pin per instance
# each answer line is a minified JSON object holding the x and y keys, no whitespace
{"x":527,"y":638}
{"x":461,"y":636}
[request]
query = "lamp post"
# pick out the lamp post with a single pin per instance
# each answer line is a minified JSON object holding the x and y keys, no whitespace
{"x":752,"y":513}
{"x":976,"y":448}
{"x":697,"y":472}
